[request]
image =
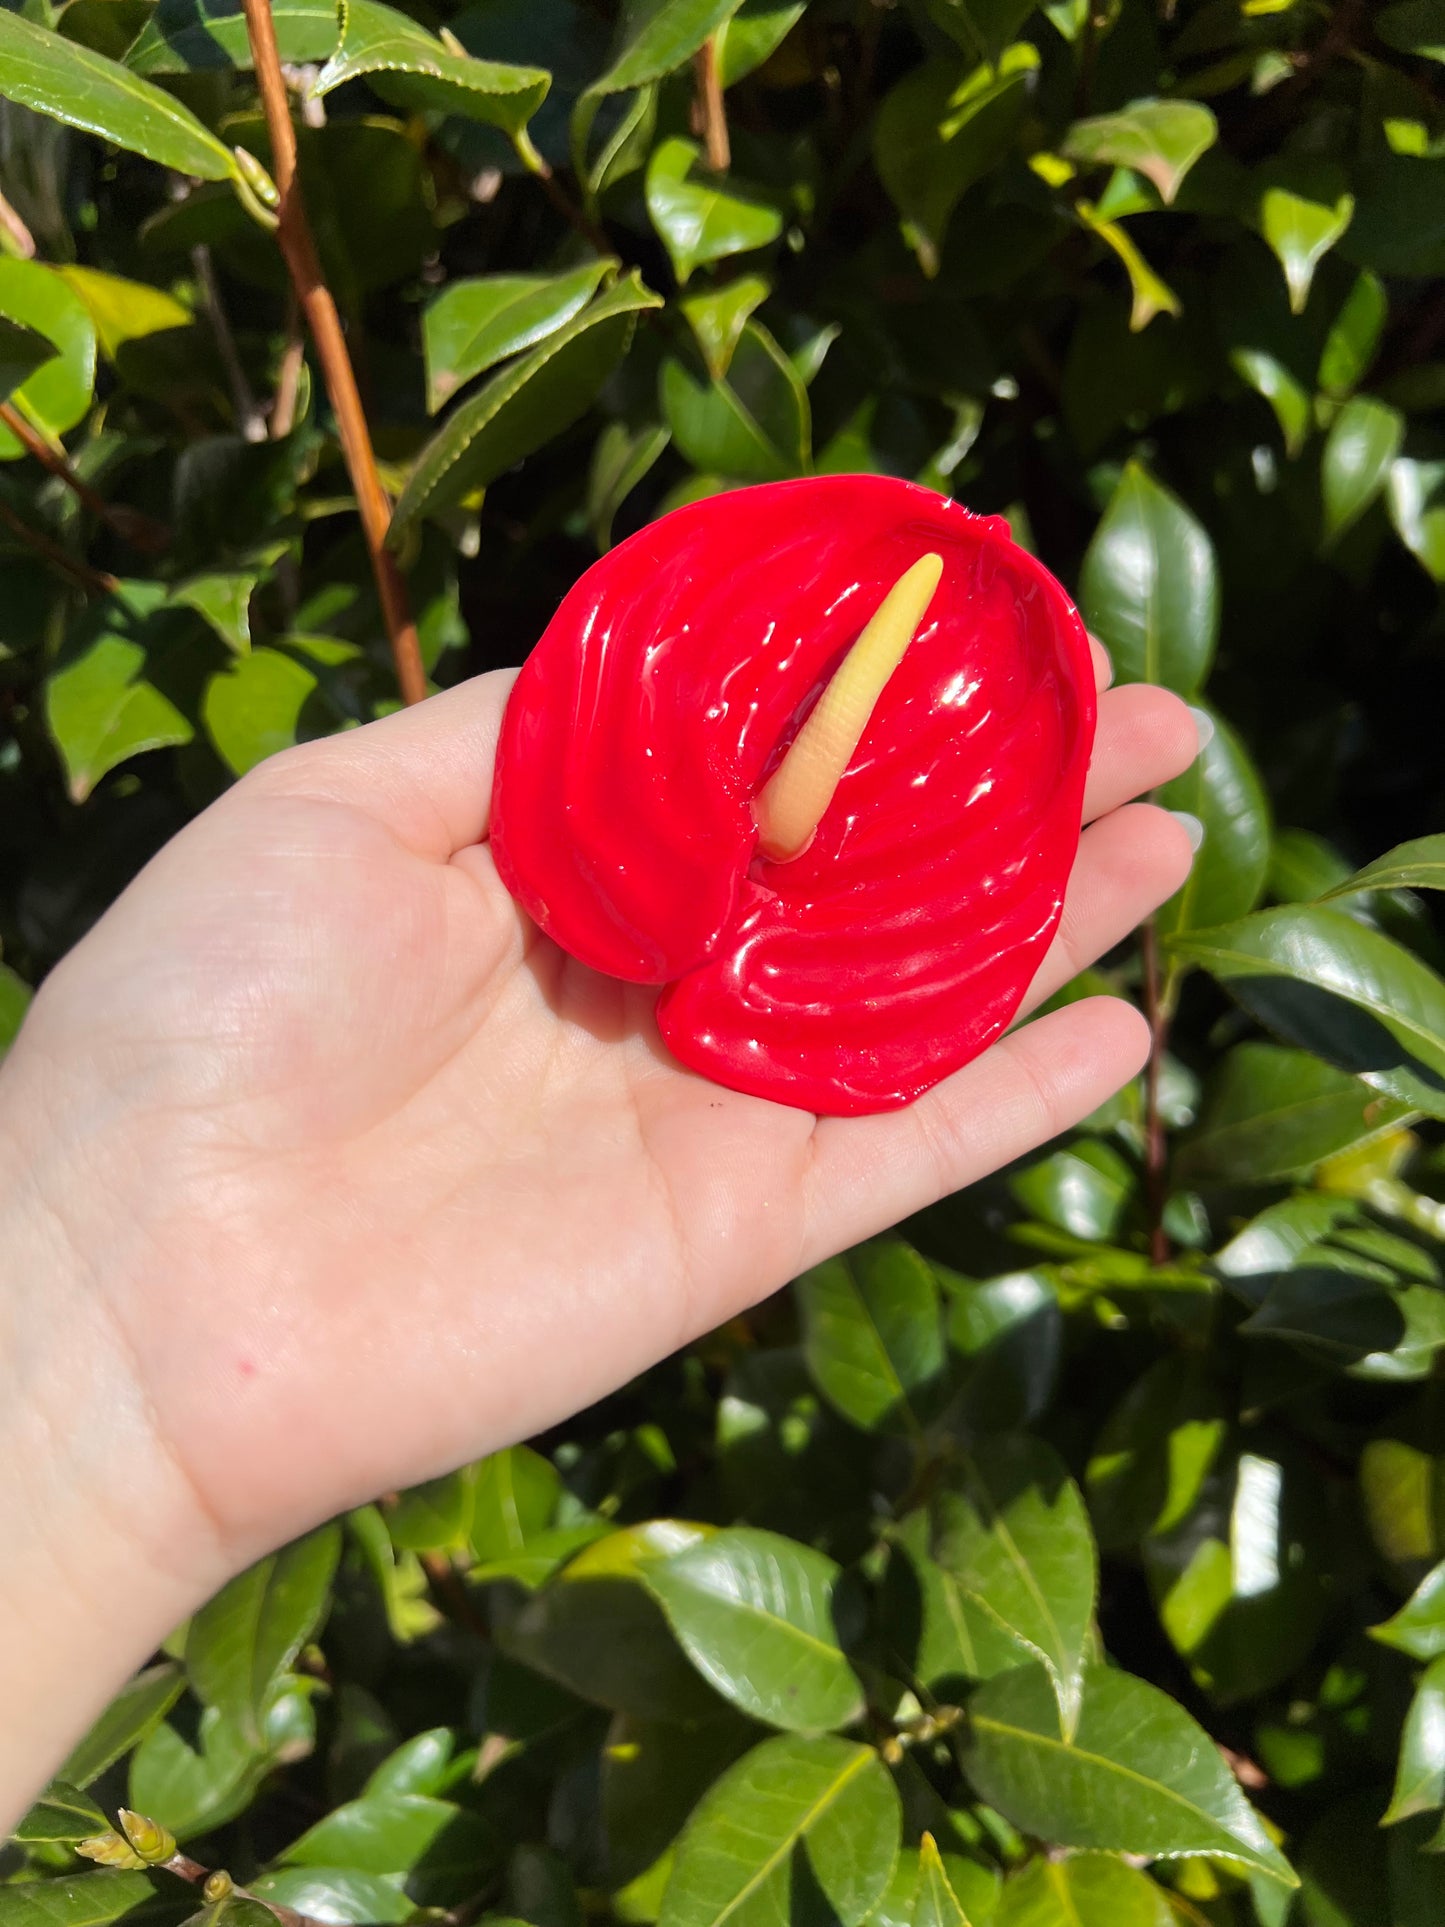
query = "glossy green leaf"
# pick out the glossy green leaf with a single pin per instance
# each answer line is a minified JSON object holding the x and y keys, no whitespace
{"x":746,"y":39}
{"x":22,"y":351}
{"x":142,"y":1899}
{"x":1414,"y":27}
{"x":1326,"y":954}
{"x":420,"y":72}
{"x":223,"y":598}
{"x":1291,"y":401}
{"x":240,"y":1643}
{"x":1149,"y":588}
{"x":754,"y":1613}
{"x":473,"y":324}
{"x":82,"y":88}
{"x":193,"y":1777}
{"x":1417,"y":865}
{"x":939,"y":130}
{"x":941,"y":1635}
{"x":430,"y":1516}
{"x":1420,"y":1773}
{"x":936,"y":1903}
{"x":1151,"y":294}
{"x":717,"y":317}
{"x":653,"y":1775}
{"x":394,"y":1833}
{"x":1013,"y":1533}
{"x":524,"y":406}
{"x":340,"y":1894}
{"x":872,"y":1333}
{"x":1085,"y":1890}
{"x":1415,"y":494}
{"x":755,"y":425}
{"x":135,"y":1711}
{"x":515,"y":1497}
{"x":102,"y":711}
{"x":123,"y":310}
{"x":1271,"y":1113}
{"x":1363,"y":441}
{"x":56,"y":393}
{"x":1418,"y":1628}
{"x":983,"y":28}
{"x":1354,"y":335}
{"x":1084,"y":1190}
{"x":1161,"y":139}
{"x":1304,"y":209}
{"x":1156,"y":1448}
{"x":1140,"y":1775}
{"x":622,"y":459}
{"x":252,"y":708}
{"x":698,"y":218}
{"x":1223,"y":788}
{"x":793,"y":1817}
{"x":657,"y":37}
{"x":63,"y":1812}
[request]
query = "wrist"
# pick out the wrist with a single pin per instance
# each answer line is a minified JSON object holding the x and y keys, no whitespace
{"x":107,"y":1544}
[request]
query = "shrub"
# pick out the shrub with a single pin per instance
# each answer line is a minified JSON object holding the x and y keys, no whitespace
{"x":994,"y":1570}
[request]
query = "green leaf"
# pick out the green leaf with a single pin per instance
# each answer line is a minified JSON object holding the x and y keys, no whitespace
{"x":1084,"y":1190}
{"x":57,"y":394}
{"x":755,"y":426}
{"x":1271,"y":1113}
{"x":794,"y":1817}
{"x":194,"y":1780}
{"x":1225,"y":791}
{"x":717,"y":317}
{"x":1304,"y":209}
{"x":1363,"y":441}
{"x":982,"y":28}
{"x":1354,"y":336}
{"x":936,"y":1903}
{"x":1161,"y":139}
{"x":872,"y":1333}
{"x":622,"y":458}
{"x":698,"y":219}
{"x":1010,"y":1332}
{"x":134,"y":1712}
{"x":1416,"y":499}
{"x":1149,"y":588}
{"x":85,"y":90}
{"x":473,"y":324}
{"x":188,"y":36}
{"x":1015,"y":1537}
{"x":1416,"y":865}
{"x":1291,"y":401}
{"x":1151,"y":295}
{"x":653,"y":1775}
{"x":61,"y":1813}
{"x":938,"y":131}
{"x":657,"y":37}
{"x":141,"y":1899}
{"x":224,"y":600}
{"x":341,"y":1894}
{"x":1398,"y":1044}
{"x":22,"y":351}
{"x":940,"y":1634}
{"x":15,"y":996}
{"x":1155,"y":1451}
{"x":1414,"y":27}
{"x":1140,"y":1776}
{"x":754,"y":1613}
{"x":241,"y":1643}
{"x":123,"y":310}
{"x":252,"y":708}
{"x":433,"y":1515}
{"x":416,"y":70}
{"x":102,"y":711}
{"x":1420,"y":1773}
{"x":395,"y":1833}
{"x":524,"y":406}
{"x":1085,"y":1890}
{"x":1418,"y":1628}
{"x":754,"y":32}
{"x":514,"y":1501}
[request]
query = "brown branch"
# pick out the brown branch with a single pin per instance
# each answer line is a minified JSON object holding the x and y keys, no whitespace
{"x":293,"y":232}
{"x":150,"y":537}
{"x":249,"y":418}
{"x":93,"y":581}
{"x":21,"y":239}
{"x":711,"y":113}
{"x":1156,"y":1149}
{"x":199,"y":1876}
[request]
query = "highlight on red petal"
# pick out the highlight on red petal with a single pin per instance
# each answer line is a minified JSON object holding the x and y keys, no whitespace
{"x":665,"y":692}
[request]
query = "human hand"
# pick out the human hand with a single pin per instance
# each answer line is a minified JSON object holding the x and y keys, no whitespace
{"x":336,"y":1174}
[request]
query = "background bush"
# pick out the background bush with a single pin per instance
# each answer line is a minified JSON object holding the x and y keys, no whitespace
{"x":924,"y":1594}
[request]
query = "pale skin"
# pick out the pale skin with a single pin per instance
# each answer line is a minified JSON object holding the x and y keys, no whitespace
{"x":323,"y":1173}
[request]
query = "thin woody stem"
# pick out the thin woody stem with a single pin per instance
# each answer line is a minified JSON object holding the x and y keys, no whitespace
{"x":288,"y":376}
{"x":93,"y":581}
{"x":248,"y":415}
{"x":137,"y":529}
{"x":192,"y":1870}
{"x":712,"y":114}
{"x":293,"y":232}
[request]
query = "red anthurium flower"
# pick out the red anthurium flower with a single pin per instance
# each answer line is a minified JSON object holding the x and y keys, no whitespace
{"x":664,"y":696}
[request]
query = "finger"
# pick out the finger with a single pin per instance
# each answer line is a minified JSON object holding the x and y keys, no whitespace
{"x":1145,"y":736}
{"x":1128,"y":864}
{"x":426,"y":772}
{"x":868,"y":1172}
{"x":1103,"y":665}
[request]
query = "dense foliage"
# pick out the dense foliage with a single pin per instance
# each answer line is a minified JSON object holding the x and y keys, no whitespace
{"x":924,"y":1595}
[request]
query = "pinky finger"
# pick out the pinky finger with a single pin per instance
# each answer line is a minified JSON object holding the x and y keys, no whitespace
{"x":869,"y":1172}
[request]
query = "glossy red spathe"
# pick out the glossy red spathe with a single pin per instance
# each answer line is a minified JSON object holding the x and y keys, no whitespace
{"x":664,"y":692}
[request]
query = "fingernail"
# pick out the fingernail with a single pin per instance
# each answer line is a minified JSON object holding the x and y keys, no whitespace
{"x":1191,"y":826}
{"x":1204,"y":724}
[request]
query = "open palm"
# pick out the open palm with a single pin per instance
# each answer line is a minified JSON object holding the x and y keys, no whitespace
{"x":383,"y":1180}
